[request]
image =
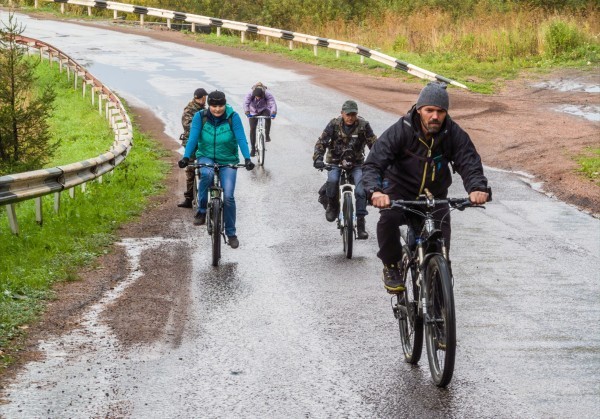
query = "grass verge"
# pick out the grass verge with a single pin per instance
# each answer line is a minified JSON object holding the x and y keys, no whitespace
{"x":84,"y":227}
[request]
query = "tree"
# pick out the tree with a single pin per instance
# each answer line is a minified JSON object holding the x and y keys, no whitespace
{"x":25,"y":140}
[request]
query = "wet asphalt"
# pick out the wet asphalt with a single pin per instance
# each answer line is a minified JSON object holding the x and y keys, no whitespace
{"x":287,"y":326}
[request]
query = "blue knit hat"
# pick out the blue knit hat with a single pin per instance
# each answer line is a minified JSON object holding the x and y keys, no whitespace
{"x":434,"y":94}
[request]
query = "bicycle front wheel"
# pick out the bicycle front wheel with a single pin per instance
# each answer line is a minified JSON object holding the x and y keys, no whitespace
{"x":215,"y":214}
{"x":410,"y":321}
{"x":261,"y":149}
{"x":348,"y":228}
{"x":195,"y":193}
{"x":440,"y":323}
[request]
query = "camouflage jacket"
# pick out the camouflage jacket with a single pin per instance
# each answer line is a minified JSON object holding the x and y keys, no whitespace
{"x":336,"y":141}
{"x":186,"y":119}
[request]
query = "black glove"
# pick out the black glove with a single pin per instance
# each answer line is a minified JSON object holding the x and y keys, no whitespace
{"x":319,"y":164}
{"x":249,"y":164}
{"x":183,"y":162}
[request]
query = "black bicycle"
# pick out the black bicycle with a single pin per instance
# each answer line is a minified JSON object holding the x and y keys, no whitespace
{"x":427,"y":303}
{"x":214,"y":214}
{"x":346,"y":220}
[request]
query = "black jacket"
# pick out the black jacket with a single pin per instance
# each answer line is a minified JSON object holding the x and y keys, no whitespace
{"x":409,"y":163}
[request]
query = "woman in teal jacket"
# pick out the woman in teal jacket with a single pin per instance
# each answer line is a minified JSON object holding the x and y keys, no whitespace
{"x":218,"y":133}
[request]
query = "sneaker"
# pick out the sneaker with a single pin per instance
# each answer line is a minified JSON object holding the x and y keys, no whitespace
{"x":187,"y":203}
{"x":331,"y":213}
{"x":392,"y":280}
{"x":199,"y":219}
{"x":233,"y":242}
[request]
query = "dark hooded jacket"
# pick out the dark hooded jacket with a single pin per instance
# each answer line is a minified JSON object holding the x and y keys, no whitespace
{"x":409,"y":163}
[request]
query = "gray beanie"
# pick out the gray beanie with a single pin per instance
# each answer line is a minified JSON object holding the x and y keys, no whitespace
{"x":434,"y":94}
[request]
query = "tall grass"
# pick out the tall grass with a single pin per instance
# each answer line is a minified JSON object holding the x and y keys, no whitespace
{"x":83,"y":229}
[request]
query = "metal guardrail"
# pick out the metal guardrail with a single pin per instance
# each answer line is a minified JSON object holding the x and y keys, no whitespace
{"x":245,"y":28}
{"x":35,"y":184}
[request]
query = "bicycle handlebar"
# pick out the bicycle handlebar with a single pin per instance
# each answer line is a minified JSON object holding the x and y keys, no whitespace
{"x":213,"y":165}
{"x":258,"y":117}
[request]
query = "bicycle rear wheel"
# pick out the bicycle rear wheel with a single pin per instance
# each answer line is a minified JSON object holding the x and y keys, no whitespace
{"x":440,"y":323}
{"x":410,"y":321}
{"x":261,"y":149}
{"x":215,"y":214}
{"x":348,"y":228}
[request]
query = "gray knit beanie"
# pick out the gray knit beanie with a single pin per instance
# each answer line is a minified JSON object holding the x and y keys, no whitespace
{"x":434,"y":94}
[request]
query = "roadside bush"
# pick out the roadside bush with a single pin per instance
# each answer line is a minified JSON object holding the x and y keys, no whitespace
{"x":561,"y":39}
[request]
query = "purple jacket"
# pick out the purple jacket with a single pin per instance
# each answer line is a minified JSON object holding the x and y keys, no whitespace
{"x":257,"y":106}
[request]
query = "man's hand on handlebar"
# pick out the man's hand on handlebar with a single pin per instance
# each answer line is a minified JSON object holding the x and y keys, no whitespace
{"x":319,"y":164}
{"x":478,"y":197}
{"x":380,"y":200}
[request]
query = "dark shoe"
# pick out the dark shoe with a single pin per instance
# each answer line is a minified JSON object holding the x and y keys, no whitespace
{"x":268,"y":139}
{"x":199,"y":219}
{"x":187,"y":203}
{"x":253,"y":152}
{"x":361,"y":232}
{"x":323,"y":201}
{"x":331,"y":213}
{"x":392,"y":280}
{"x":233,"y":242}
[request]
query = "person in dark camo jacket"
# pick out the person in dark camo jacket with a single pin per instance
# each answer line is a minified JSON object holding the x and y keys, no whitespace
{"x":196,"y":104}
{"x":345,"y":137}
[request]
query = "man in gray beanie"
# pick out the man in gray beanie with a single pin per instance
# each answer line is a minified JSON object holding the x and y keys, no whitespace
{"x":411,"y":156}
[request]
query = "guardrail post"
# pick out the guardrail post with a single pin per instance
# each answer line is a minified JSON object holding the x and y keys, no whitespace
{"x":141,"y":20}
{"x":243,"y":36}
{"x":315,"y":50}
{"x":12,"y":218}
{"x":193,"y":29}
{"x":38,"y":210}
{"x":267,"y":40}
{"x":115,"y":15}
{"x":291,"y":44}
{"x":35,"y":4}
{"x":218,"y":31}
{"x":56,"y":202}
{"x":89,"y":10}
{"x":362,"y":59}
{"x":62,"y":8}
{"x":72,"y":192}
{"x":169,"y":23}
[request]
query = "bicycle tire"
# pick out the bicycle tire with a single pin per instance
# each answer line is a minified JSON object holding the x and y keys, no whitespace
{"x":440,"y":322}
{"x":410,"y":322}
{"x":261,"y":149}
{"x":216,"y":209}
{"x":348,"y":228}
{"x":195,"y":193}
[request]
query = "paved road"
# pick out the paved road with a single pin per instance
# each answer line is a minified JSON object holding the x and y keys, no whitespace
{"x":287,"y":327}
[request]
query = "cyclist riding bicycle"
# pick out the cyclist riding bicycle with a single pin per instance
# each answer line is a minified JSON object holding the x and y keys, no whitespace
{"x":410,"y":156}
{"x":195,"y":105}
{"x":217,"y":132}
{"x":345,"y":136}
{"x":259,"y":102}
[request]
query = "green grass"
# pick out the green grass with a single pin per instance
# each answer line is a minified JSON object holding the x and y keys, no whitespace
{"x":590,"y":165}
{"x":84,"y":227}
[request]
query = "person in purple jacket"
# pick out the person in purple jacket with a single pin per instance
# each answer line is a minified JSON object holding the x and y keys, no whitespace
{"x":259,"y":102}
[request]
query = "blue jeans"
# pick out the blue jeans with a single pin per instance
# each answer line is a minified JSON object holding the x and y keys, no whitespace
{"x":228,"y":176}
{"x":359,"y":193}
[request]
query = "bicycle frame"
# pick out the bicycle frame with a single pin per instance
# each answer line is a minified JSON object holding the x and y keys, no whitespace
{"x":261,"y":136}
{"x":346,"y":187}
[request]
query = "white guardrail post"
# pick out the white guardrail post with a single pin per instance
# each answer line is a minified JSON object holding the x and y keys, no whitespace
{"x":244,"y":28}
{"x":33,"y":185}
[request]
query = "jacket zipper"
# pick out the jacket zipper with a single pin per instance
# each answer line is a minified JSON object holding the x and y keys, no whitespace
{"x":426,"y":166}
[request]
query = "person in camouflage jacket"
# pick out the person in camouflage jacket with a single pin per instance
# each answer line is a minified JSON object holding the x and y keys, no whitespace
{"x":195,"y":105}
{"x":344,"y":139}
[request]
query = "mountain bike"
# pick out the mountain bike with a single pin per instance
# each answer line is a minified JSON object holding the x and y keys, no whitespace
{"x":426,"y":306}
{"x":260,"y":138}
{"x":346,"y":220}
{"x":214,"y":214}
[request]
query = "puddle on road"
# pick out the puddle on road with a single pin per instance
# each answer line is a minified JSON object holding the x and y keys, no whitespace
{"x":70,"y":370}
{"x":589,"y":112}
